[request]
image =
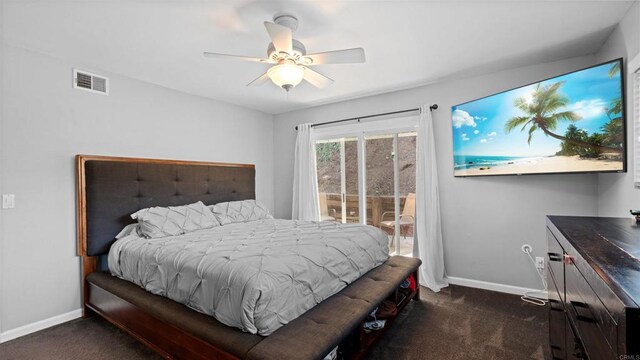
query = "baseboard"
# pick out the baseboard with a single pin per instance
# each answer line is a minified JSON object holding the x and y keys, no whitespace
{"x":509,"y":289}
{"x":39,"y":325}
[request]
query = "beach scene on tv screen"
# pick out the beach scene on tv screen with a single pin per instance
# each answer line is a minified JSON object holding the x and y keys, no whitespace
{"x":571,"y":123}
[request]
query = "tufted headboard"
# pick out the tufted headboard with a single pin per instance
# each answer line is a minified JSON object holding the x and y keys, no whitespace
{"x":112,"y":188}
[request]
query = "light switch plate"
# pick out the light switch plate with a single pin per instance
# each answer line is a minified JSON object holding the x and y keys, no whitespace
{"x":8,"y":201}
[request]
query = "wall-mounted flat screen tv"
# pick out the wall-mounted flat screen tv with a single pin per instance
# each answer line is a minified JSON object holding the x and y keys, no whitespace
{"x":572,"y":123}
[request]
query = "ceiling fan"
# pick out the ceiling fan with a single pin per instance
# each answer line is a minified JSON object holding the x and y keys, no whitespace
{"x":290,"y":59}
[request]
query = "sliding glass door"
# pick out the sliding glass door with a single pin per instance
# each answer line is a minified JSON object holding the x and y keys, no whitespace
{"x":337,"y":165}
{"x":369,"y":178}
{"x":406,"y":192}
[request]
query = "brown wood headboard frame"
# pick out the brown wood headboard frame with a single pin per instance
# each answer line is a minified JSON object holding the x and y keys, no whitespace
{"x":168,"y":182}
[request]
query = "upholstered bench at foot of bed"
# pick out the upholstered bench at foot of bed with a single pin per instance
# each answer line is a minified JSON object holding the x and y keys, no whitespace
{"x":311,"y":336}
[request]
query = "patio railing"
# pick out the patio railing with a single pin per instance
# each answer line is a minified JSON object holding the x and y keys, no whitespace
{"x":376,"y":206}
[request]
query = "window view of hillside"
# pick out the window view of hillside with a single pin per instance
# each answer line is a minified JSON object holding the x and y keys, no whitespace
{"x":337,"y":169}
{"x":379,"y":165}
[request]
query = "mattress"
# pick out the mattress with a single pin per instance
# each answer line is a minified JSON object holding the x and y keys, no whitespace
{"x":256,"y":276}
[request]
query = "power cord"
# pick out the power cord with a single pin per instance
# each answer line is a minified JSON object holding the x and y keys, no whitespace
{"x":529,"y":295}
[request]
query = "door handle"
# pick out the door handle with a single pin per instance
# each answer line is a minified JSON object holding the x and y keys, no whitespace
{"x":554,"y":256}
{"x":555,"y":305}
{"x":576,"y":305}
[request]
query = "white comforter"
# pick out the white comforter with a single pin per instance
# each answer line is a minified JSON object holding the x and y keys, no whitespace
{"x":256,"y":276}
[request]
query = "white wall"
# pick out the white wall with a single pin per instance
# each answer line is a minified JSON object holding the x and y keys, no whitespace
{"x":46,"y":122}
{"x":616,"y":194}
{"x":485,"y":220}
{"x":1,"y":150}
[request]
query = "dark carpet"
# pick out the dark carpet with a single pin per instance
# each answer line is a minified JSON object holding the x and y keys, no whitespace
{"x":466,"y":323}
{"x":456,"y":323}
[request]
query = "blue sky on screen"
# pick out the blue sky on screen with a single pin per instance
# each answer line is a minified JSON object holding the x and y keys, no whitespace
{"x":478,"y":126}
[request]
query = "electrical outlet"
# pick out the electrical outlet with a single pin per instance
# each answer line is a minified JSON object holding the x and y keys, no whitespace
{"x":539,"y":263}
{"x":8,"y":201}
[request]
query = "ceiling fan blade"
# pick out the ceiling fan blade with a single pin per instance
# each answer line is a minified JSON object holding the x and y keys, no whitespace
{"x":346,"y":56}
{"x":281,"y":36}
{"x":316,"y":79}
{"x":260,"y":80}
{"x":236,"y":57}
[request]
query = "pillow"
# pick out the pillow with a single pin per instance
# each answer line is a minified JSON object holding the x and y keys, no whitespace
{"x":131,"y":229}
{"x":240,"y":211}
{"x":158,"y":222}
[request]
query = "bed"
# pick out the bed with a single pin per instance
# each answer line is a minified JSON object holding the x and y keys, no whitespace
{"x":109,"y":189}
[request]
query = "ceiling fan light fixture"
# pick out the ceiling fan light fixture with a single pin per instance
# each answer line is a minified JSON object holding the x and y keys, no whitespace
{"x":286,"y":75}
{"x":291,"y":63}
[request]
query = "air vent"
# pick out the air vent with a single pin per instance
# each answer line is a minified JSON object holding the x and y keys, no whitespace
{"x":90,"y":82}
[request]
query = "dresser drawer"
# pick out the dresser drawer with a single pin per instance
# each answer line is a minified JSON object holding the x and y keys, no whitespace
{"x":557,"y":323}
{"x":555,"y":268}
{"x":595,"y":325}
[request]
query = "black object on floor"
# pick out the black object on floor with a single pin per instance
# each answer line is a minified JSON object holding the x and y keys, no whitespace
{"x":456,"y":323}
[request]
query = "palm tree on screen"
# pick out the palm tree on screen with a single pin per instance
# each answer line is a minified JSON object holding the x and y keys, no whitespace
{"x":613,"y":130}
{"x":616,"y":104}
{"x":613,"y":133}
{"x":543,"y":111}
{"x":614,"y":69}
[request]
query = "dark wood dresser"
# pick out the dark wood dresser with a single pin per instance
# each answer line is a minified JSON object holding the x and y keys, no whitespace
{"x":593,"y":275}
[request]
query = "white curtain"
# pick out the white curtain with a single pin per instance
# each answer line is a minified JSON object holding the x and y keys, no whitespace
{"x":428,"y":228}
{"x":305,"y":182}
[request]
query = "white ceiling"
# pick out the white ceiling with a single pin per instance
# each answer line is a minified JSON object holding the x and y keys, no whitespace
{"x":407,"y":43}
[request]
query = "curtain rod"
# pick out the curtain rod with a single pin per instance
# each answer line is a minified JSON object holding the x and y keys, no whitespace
{"x":432,"y":107}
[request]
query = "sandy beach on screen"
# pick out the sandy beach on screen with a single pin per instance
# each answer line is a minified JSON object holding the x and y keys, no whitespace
{"x":549,"y":164}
